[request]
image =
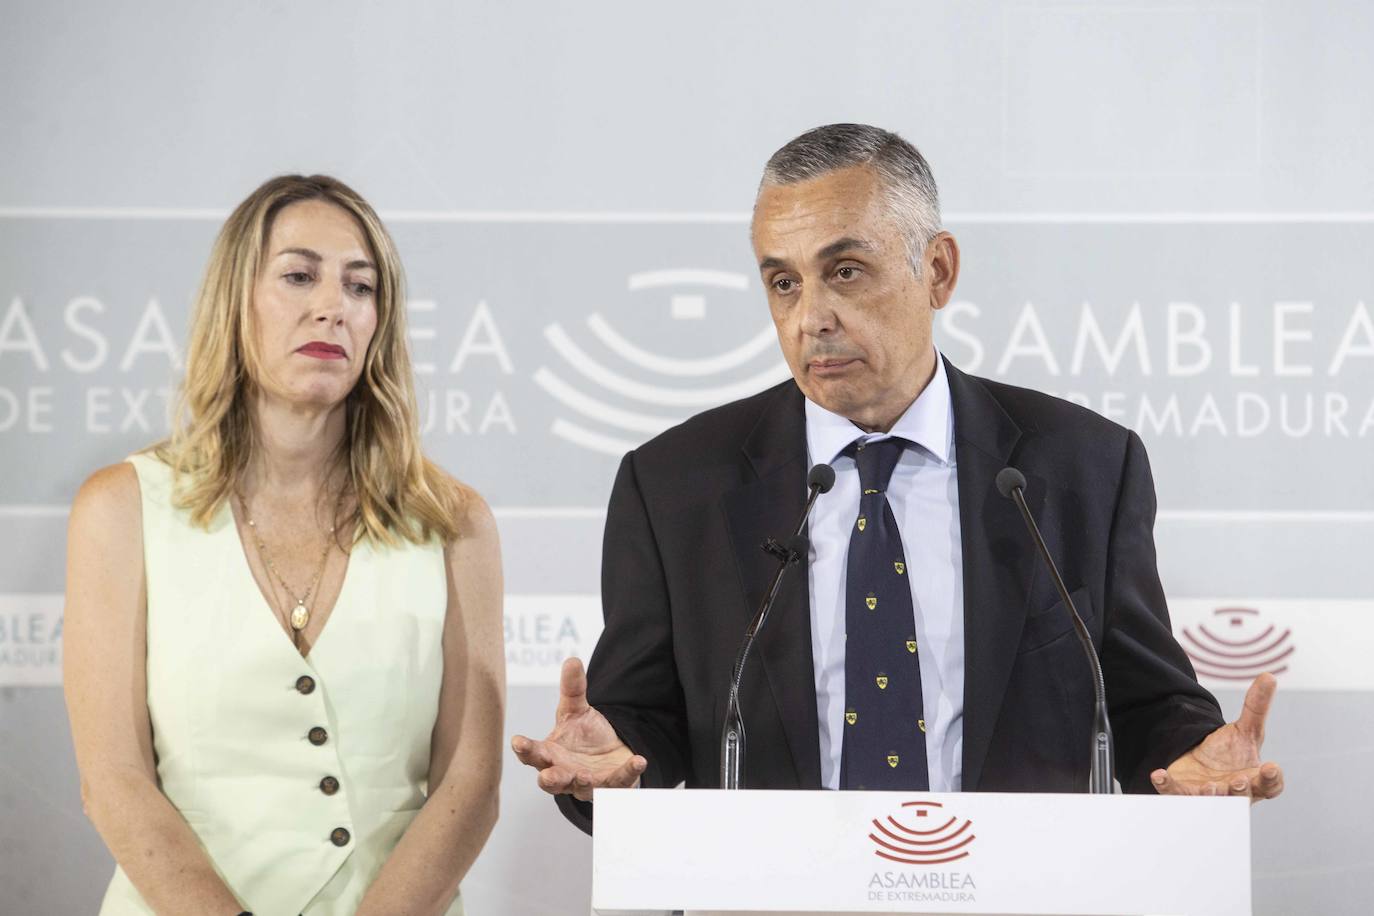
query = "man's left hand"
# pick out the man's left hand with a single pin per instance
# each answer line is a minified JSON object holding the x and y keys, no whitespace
{"x":1227,"y":762}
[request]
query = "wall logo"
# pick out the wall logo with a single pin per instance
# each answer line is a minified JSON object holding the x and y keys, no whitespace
{"x":619,"y":429}
{"x":1237,"y":646}
{"x":30,"y":640}
{"x":929,"y":842}
{"x":544,"y":629}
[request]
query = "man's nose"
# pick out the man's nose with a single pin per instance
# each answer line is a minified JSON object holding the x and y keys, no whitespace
{"x":817,"y":311}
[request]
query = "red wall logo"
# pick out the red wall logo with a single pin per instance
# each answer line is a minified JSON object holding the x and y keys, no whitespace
{"x":1237,"y":646}
{"x":922,"y":843}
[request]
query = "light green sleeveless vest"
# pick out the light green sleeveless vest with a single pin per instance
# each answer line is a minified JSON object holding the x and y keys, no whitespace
{"x":233,"y":713}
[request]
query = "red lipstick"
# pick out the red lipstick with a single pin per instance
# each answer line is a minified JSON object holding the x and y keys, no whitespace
{"x":321,"y":350}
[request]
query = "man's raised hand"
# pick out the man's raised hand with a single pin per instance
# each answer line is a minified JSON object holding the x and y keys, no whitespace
{"x":1227,"y":762}
{"x":582,"y":752}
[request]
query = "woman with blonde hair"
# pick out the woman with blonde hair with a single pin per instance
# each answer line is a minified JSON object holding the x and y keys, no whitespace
{"x":283,"y":659}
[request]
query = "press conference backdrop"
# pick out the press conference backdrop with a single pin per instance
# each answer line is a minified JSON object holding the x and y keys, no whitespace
{"x":1165,"y":212}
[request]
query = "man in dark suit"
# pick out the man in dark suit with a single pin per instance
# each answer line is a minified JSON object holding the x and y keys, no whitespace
{"x":925,"y":646}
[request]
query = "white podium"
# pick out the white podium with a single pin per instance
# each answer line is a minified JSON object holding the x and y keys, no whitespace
{"x":715,"y":852}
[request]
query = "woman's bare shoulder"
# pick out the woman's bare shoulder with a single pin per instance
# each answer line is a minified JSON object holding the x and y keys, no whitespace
{"x":475,"y":516}
{"x":474,"y":519}
{"x":109,"y":498}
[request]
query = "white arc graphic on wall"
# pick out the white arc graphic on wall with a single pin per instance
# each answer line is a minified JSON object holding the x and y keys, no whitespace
{"x":632,"y":425}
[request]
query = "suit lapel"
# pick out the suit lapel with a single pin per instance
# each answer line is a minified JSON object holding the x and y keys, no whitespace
{"x":769,"y":506}
{"x":999,"y":567}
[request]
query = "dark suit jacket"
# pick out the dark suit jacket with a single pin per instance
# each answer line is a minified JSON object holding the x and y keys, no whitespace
{"x":682,"y":573}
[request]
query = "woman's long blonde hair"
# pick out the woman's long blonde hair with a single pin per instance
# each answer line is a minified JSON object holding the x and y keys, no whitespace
{"x":398,"y":491}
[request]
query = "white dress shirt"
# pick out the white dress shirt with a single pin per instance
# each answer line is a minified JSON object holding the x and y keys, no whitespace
{"x":924,"y":495}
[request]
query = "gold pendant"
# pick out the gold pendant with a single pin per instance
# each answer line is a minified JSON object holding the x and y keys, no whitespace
{"x":299,"y":617}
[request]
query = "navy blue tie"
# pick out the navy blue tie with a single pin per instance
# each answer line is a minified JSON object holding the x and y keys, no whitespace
{"x":884,"y":723}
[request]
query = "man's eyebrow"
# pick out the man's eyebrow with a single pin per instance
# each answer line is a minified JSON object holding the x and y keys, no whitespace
{"x":839,"y":246}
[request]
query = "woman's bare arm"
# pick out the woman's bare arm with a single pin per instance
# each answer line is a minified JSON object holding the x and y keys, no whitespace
{"x":104,"y":679}
{"x":424,"y":870}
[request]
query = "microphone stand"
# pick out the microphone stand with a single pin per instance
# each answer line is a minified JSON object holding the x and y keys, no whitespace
{"x":819,"y":481}
{"x":1011,"y":483}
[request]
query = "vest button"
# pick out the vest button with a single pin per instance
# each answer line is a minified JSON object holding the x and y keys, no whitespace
{"x":340,"y":837}
{"x":329,"y":785}
{"x":305,"y":684}
{"x":318,"y":736}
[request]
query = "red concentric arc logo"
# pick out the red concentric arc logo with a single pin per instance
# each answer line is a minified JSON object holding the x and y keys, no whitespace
{"x":925,"y":843}
{"x":1238,"y":646}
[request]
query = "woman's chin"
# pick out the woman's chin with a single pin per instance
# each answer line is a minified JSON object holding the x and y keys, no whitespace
{"x":311,"y":397}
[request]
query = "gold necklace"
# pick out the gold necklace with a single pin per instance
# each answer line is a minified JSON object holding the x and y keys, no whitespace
{"x":299,"y":617}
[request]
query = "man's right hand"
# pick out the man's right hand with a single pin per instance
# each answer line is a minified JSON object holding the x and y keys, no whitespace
{"x":582,"y":752}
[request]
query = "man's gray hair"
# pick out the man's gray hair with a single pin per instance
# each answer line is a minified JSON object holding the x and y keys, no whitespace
{"x":907,"y":182}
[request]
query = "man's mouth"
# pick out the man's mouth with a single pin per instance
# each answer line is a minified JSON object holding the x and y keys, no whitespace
{"x":831,"y":365}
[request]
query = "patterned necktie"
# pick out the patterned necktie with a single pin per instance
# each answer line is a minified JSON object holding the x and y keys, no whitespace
{"x":884,"y":724}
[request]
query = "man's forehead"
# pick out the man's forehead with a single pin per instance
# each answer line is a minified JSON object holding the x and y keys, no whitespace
{"x":813,"y":204}
{"x":819,"y":233}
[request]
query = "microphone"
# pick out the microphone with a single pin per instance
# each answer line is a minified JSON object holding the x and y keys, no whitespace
{"x":1011,"y":483}
{"x":818,"y":481}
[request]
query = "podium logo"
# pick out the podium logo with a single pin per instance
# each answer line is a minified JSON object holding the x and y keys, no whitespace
{"x":924,"y":835}
{"x":679,"y":386}
{"x":1237,"y":646}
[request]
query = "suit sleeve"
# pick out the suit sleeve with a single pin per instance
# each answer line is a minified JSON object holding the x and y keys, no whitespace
{"x":1158,"y":709}
{"x":632,"y":678}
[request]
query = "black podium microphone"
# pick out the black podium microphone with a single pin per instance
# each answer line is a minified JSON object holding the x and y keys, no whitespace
{"x":1011,"y":483}
{"x":818,"y":481}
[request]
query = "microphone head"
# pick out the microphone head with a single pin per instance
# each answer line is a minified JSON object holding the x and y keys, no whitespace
{"x":1008,"y":480}
{"x":821,"y":478}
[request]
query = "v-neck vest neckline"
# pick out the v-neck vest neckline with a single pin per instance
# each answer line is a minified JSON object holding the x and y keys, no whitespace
{"x":226,"y":526}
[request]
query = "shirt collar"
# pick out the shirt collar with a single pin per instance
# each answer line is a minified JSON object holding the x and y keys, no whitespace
{"x":927,"y":422}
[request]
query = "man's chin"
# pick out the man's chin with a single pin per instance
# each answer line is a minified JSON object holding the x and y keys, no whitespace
{"x":838,"y":399}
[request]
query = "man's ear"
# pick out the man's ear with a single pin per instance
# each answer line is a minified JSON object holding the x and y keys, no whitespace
{"x":941,"y":266}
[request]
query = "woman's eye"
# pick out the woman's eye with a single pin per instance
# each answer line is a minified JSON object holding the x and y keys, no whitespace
{"x":362,"y":289}
{"x":298,"y":277}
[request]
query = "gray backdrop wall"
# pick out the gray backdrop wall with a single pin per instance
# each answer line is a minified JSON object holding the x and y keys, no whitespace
{"x":1166,"y":213}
